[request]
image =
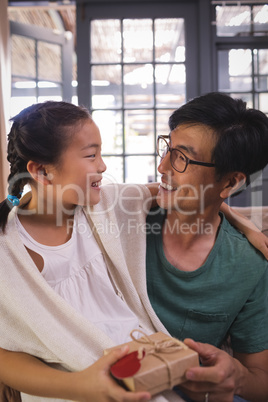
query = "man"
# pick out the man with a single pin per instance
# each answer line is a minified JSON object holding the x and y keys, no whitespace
{"x":204,"y":280}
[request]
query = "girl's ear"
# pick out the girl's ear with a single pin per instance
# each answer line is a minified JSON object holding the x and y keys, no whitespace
{"x":38,"y":172}
{"x":233,"y":183}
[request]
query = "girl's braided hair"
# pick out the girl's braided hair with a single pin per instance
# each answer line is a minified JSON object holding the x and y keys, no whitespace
{"x":40,"y":133}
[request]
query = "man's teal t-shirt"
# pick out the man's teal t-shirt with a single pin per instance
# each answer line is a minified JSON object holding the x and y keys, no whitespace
{"x":227,"y":295}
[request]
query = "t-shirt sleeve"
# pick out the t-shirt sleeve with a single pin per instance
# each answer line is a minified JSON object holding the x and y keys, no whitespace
{"x":249,"y":331}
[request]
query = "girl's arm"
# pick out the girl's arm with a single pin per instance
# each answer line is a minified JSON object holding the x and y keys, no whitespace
{"x":246,"y":226}
{"x":30,"y":375}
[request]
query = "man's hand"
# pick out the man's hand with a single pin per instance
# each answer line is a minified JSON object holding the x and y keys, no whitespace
{"x":221,"y":376}
{"x":216,"y":376}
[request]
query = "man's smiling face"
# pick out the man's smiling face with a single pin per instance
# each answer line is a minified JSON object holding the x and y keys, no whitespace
{"x":189,"y":192}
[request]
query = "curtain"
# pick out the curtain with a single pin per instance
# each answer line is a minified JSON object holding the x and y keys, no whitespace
{"x":5,"y":94}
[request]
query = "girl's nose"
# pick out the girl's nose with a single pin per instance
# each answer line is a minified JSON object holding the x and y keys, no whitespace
{"x":102,"y":167}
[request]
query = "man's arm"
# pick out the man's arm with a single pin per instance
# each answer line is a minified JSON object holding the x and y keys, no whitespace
{"x":254,"y":375}
{"x":32,"y":376}
{"x":223,"y":376}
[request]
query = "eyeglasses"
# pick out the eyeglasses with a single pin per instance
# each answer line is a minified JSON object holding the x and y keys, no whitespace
{"x":178,"y":160}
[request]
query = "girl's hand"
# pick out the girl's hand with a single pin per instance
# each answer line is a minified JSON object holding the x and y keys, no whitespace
{"x":259,"y":240}
{"x":96,"y":384}
{"x":32,"y":376}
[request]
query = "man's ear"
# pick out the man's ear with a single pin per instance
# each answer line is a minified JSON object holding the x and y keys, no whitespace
{"x":38,"y":172}
{"x":233,"y":183}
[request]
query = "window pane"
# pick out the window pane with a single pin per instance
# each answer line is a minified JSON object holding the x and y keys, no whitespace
{"x":247,"y":97}
{"x":23,"y":85}
{"x":261,"y":61}
{"x":49,"y":61}
{"x":260,"y":19}
{"x":139,"y":169}
{"x":235,"y":70}
{"x":110,"y":125}
{"x":23,"y":56}
{"x":261,"y":69}
{"x":263,"y":103}
{"x":106,"y":86}
{"x":56,"y":98}
{"x":114,"y":172}
{"x":49,"y":90}
{"x":240,"y":62}
{"x":138,"y":85}
{"x":169,"y":40}
{"x":17,"y":103}
{"x":162,"y":117}
{"x":139,"y":131}
{"x":105,"y":44}
{"x":240,"y":84}
{"x":261,"y":83}
{"x":170,"y":85}
{"x":232,"y":20}
{"x":138,"y":40}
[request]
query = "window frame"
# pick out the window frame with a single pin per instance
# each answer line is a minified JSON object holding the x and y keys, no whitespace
{"x":49,"y":36}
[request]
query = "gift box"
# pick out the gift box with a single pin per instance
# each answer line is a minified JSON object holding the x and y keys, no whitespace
{"x":154,"y":363}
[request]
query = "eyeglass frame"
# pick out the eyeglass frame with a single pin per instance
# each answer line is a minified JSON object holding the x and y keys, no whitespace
{"x":188,"y":160}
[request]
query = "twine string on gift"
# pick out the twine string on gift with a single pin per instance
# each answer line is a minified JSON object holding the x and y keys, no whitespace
{"x":168,"y":345}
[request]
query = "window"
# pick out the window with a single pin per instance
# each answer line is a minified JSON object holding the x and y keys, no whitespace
{"x":241,"y":19}
{"x":242,"y":52}
{"x":241,"y":46}
{"x":41,"y":65}
{"x":137,"y":79}
{"x":244,"y":73}
{"x":132,"y":76}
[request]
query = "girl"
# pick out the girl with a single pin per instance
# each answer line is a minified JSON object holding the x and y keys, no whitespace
{"x":69,"y":286}
{"x":83,"y":301}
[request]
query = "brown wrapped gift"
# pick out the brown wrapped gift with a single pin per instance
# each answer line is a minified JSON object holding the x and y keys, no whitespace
{"x":163,"y":366}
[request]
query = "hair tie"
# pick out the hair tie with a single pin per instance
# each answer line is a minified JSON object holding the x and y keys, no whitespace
{"x":14,"y":199}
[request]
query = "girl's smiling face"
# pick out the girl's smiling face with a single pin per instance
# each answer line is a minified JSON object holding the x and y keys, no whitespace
{"x":77,"y":178}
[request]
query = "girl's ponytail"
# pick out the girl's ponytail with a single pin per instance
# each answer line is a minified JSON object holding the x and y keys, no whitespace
{"x":16,"y":179}
{"x":4,"y":211}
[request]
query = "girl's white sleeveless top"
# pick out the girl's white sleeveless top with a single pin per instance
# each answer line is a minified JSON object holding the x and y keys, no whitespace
{"x":77,"y":271}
